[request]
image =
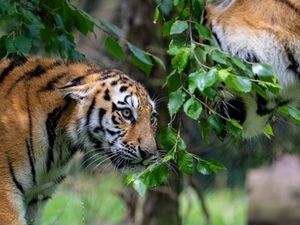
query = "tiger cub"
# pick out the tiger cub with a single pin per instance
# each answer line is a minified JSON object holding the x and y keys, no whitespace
{"x":49,"y":110}
{"x":265,"y":31}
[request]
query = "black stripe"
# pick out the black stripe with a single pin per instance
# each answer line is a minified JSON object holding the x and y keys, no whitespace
{"x":36,"y":200}
{"x":106,"y":96}
{"x":262,"y":108}
{"x":112,"y":133}
{"x":118,"y":136}
{"x":89,"y":112}
{"x":13,"y":64}
{"x":31,"y":161}
{"x":78,"y":80}
{"x":97,"y":143}
{"x":126,"y":100}
{"x":29,"y":145}
{"x":38,"y":71}
{"x":217,"y":39}
{"x":123,"y":88}
{"x":294,"y":65}
{"x":51,"y":124}
{"x":12,"y":173}
{"x":114,"y":119}
{"x":51,"y":84}
{"x":101,"y":114}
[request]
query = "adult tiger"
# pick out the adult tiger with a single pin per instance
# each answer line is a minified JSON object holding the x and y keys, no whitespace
{"x":50,"y":109}
{"x":265,"y":31}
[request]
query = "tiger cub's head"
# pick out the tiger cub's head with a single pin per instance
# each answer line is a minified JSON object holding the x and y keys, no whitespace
{"x":113,"y":115}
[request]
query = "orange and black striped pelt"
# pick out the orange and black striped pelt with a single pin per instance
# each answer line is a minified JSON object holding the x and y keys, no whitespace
{"x":49,"y":110}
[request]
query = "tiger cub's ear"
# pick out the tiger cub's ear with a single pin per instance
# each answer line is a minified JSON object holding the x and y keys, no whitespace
{"x":76,"y":89}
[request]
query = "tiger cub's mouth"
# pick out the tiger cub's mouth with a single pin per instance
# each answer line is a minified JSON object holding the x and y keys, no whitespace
{"x":121,"y":161}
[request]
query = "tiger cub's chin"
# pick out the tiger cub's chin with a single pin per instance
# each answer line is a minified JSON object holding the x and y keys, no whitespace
{"x":50,"y":109}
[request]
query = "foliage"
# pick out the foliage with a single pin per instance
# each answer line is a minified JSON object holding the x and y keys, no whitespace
{"x":200,"y":76}
{"x":200,"y":72}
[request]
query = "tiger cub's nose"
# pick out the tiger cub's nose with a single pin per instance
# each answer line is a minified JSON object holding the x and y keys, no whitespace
{"x":145,"y":154}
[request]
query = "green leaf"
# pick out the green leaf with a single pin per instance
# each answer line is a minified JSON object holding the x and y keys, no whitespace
{"x":216,"y":123}
{"x":113,"y":47}
{"x":180,"y":60}
{"x":236,"y":124}
{"x":167,"y":138}
{"x":176,"y":99}
{"x":202,"y":80}
{"x":10,"y":45}
{"x":157,"y":176}
{"x":186,"y":163}
{"x":192,"y":108}
{"x":223,"y":74}
{"x":203,"y":31}
{"x":112,"y":28}
{"x":138,"y":53}
{"x":268,"y":131}
{"x":167,"y":28}
{"x":238,"y":83}
{"x":156,"y":14}
{"x":146,"y":68}
{"x":159,"y":62}
{"x":294,"y":114}
{"x":219,"y":57}
{"x":216,"y":166}
{"x":236,"y":61}
{"x":204,"y":129}
{"x":260,"y":91}
{"x":178,"y":27}
{"x":262,"y":70}
{"x":203,"y":167}
{"x":140,"y":187}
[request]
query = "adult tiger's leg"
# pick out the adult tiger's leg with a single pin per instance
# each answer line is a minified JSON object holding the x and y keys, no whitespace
{"x":11,"y":208}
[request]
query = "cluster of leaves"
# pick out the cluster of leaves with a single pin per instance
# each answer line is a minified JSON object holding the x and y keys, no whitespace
{"x":31,"y":26}
{"x":49,"y":25}
{"x":201,"y":77}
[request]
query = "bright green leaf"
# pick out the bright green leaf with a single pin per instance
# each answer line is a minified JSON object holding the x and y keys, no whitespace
{"x":186,"y":163}
{"x":239,"y":63}
{"x":203,"y":31}
{"x":223,"y":74}
{"x":268,"y":131}
{"x":156,"y":14}
{"x":240,"y":84}
{"x":203,"y":167}
{"x":236,"y":124}
{"x":192,"y":108}
{"x":157,"y":176}
{"x":176,"y":99}
{"x":167,"y":138}
{"x":219,"y":57}
{"x":262,"y":70}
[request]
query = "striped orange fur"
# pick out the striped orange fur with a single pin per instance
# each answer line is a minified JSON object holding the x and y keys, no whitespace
{"x":49,"y":110}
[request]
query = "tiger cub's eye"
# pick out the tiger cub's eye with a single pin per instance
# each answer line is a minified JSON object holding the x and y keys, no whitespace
{"x":127,"y":114}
